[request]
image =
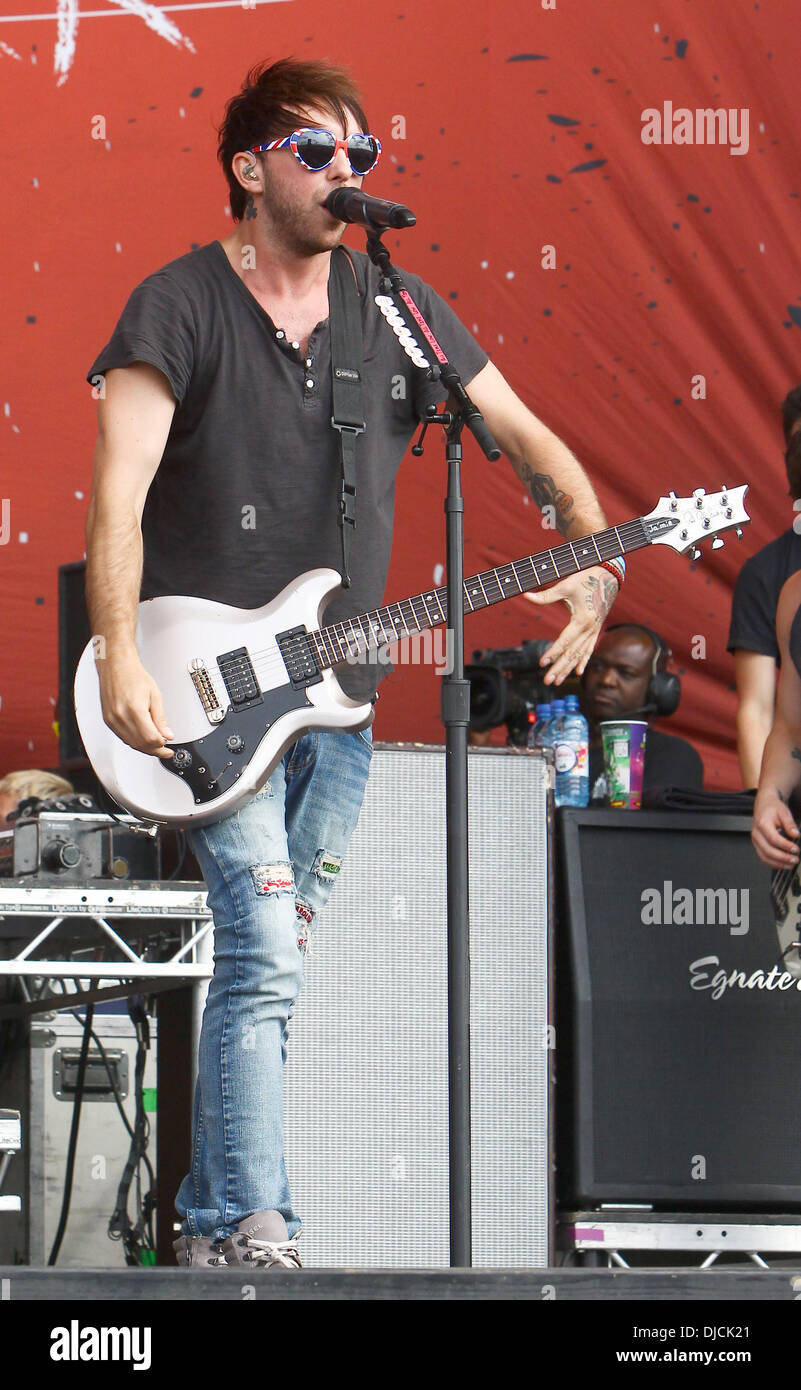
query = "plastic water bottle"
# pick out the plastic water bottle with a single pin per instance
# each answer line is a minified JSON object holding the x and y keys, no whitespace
{"x":571,"y":755}
{"x":542,"y":726}
{"x":554,"y":728}
{"x":533,"y":726}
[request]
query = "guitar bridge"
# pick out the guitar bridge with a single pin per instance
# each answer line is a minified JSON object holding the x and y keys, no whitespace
{"x":208,"y":697}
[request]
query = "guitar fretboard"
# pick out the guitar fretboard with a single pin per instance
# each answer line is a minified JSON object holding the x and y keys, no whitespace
{"x":340,"y":641}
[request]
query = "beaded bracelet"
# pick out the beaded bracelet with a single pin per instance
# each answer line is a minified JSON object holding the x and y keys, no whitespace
{"x":618,"y":573}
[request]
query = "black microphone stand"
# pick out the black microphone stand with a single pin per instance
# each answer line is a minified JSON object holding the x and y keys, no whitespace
{"x":456,"y":718}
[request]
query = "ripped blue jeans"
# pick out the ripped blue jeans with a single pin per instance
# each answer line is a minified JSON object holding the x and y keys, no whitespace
{"x":269,"y":868}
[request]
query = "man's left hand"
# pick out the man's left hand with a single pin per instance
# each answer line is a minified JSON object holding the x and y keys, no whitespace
{"x":589,"y":597}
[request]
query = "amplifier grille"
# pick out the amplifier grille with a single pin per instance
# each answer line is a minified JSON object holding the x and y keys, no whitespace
{"x":366,"y":1074}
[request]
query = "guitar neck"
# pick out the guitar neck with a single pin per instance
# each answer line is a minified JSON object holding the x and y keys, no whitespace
{"x":369,"y":631}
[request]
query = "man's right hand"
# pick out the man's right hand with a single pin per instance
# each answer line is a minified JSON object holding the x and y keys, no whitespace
{"x":774,"y":832}
{"x":132,"y":703}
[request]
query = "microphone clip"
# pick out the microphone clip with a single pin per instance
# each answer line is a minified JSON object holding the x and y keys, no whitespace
{"x":434,"y":418}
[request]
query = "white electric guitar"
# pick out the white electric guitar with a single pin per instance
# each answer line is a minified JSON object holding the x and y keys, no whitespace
{"x":241,"y":685}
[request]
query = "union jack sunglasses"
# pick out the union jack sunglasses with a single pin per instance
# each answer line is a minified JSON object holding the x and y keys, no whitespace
{"x":316,"y":148}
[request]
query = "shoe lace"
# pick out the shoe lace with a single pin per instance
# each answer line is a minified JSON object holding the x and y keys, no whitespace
{"x":275,"y":1252}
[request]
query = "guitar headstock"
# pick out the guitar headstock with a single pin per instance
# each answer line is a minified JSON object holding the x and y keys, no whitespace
{"x":683,"y":522}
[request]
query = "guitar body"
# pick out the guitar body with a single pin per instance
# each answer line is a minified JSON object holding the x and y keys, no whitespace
{"x":232,"y":723}
{"x":241,"y":685}
{"x":785,"y":891}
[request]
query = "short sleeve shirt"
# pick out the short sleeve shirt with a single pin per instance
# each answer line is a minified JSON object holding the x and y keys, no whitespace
{"x":246,"y":496}
{"x":756,"y":595}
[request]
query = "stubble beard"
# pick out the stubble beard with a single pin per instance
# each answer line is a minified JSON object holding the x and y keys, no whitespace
{"x":291,"y":224}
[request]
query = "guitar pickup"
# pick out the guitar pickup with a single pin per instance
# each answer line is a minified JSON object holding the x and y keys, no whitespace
{"x":301,"y":664}
{"x":236,"y":669}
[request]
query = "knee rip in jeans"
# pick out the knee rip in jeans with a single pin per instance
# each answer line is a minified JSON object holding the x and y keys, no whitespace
{"x":269,"y":879}
{"x":305,"y":918}
{"x":326,"y":866}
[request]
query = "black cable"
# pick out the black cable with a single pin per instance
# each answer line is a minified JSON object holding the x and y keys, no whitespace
{"x":120,"y":1226}
{"x":181,"y":842}
{"x":137,"y":1152}
{"x":73,"y":1144}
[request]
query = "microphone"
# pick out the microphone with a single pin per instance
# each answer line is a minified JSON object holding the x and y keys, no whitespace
{"x":351,"y":205}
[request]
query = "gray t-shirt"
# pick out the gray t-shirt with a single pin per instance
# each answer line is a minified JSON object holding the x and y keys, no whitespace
{"x":246,"y":495}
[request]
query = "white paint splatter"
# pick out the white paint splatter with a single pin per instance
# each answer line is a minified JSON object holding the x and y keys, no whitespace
{"x":11,"y":52}
{"x":36,"y":265}
{"x":66,"y":39}
{"x":762,"y":247}
{"x":439,"y":570}
{"x":68,"y":15}
{"x":484,"y":265}
{"x":23,"y":537}
{"x":118,"y":246}
{"x":7,"y":409}
{"x":510,"y":275}
{"x":79,"y":495}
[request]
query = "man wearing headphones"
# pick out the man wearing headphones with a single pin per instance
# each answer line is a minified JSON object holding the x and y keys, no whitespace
{"x":627,"y":678}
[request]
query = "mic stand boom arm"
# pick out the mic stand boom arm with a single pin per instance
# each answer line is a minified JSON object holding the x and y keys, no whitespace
{"x":456,"y":718}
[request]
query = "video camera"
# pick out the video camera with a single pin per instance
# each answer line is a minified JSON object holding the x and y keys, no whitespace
{"x":505,"y":685}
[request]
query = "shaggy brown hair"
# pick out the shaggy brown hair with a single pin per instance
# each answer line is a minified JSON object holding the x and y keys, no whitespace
{"x":271,"y":105}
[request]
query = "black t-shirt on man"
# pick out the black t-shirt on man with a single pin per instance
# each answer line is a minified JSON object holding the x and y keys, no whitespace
{"x":246,"y":495}
{"x":756,"y":595}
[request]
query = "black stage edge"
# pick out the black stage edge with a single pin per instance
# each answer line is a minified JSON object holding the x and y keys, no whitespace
{"x":22,"y":1284}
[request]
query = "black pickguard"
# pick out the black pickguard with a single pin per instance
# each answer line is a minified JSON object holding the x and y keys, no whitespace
{"x":208,"y":765}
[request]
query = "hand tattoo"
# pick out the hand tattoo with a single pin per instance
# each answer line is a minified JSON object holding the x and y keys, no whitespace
{"x":601,"y":596}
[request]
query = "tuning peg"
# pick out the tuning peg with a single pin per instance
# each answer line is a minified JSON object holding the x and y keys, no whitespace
{"x":699,"y":492}
{"x":718,"y":543}
{"x":695,"y":553}
{"x":738,"y":532}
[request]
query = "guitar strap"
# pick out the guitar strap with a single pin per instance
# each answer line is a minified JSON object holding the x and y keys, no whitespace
{"x":347,"y":363}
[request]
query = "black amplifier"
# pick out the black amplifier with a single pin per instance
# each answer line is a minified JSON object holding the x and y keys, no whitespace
{"x":72,"y":847}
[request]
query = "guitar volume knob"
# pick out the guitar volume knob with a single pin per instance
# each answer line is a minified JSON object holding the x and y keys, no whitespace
{"x":235,"y":743}
{"x":182,"y":758}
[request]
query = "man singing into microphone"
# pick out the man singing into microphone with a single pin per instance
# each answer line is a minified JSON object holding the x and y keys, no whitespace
{"x":217,"y":475}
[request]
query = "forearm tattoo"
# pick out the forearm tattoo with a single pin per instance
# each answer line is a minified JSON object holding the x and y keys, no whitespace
{"x":545,"y":493}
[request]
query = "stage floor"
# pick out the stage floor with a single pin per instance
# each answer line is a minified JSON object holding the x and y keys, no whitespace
{"x":22,"y":1284}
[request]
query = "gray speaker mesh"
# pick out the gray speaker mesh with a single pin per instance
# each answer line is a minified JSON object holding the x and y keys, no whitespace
{"x":366,"y":1109}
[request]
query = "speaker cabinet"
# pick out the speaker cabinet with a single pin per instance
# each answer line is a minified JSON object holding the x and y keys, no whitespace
{"x":73,"y":635}
{"x":679,"y":1053}
{"x":366,"y":1106}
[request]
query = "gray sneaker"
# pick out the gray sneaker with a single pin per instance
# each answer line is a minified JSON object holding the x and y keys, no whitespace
{"x":262,"y":1239}
{"x":198,"y":1252}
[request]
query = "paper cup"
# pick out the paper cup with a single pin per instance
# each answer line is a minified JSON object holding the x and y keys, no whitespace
{"x":624,"y":757}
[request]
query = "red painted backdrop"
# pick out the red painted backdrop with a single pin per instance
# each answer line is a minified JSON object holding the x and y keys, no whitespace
{"x":523,"y":126}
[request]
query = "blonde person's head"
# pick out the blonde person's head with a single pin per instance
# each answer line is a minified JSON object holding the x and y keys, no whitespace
{"x":16,"y":786}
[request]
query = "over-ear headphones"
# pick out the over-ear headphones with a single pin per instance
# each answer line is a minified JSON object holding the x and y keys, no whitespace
{"x":664,"y":687}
